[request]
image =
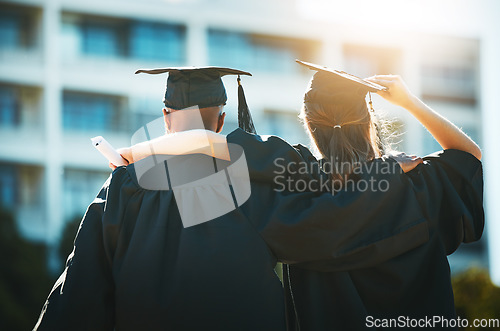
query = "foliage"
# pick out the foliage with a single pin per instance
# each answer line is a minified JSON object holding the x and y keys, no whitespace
{"x":24,"y":279}
{"x":476,"y":297}
{"x":68,"y":238}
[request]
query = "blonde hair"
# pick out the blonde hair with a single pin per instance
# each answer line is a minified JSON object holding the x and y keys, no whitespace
{"x":345,"y":134}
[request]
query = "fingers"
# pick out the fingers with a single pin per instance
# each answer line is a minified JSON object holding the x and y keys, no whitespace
{"x":409,"y":165}
{"x":389,"y":78}
{"x":397,"y":154}
{"x":125,"y":160}
{"x":385,"y":80}
{"x":414,"y":157}
{"x":384,"y":94}
{"x":386,"y":77}
{"x":417,"y":160}
{"x":126,"y":155}
{"x":112,"y":166}
{"x":406,"y":162}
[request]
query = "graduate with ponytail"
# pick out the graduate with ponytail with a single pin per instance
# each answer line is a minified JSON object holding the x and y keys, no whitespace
{"x":449,"y":187}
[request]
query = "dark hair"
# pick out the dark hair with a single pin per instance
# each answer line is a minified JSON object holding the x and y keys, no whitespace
{"x":344,"y":133}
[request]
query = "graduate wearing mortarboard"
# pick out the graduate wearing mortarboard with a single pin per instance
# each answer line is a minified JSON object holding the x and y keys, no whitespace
{"x":140,"y":264}
{"x":412,"y":287}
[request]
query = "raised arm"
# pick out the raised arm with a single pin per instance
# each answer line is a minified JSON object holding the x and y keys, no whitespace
{"x":353,"y":229}
{"x":448,"y":135}
{"x":342,"y":231}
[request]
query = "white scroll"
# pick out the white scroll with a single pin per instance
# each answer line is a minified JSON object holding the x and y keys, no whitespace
{"x":107,"y":151}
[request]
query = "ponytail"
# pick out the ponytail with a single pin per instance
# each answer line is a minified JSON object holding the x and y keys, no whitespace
{"x":344,"y":136}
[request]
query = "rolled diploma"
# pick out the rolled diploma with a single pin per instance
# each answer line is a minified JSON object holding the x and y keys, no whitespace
{"x":107,"y":151}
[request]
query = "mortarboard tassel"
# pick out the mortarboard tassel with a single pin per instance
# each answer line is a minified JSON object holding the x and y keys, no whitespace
{"x":244,"y":118}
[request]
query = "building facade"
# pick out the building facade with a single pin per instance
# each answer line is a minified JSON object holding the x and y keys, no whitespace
{"x":67,"y":74}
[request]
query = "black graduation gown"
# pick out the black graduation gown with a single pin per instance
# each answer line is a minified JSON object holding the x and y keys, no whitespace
{"x":135,"y":267}
{"x":449,"y":188}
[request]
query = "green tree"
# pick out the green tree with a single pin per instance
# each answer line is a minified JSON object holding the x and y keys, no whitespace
{"x":68,"y":237}
{"x":24,"y":279}
{"x":476,"y":297}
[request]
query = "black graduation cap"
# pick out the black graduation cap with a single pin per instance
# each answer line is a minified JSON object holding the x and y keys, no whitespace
{"x":202,"y":87}
{"x":330,"y":85}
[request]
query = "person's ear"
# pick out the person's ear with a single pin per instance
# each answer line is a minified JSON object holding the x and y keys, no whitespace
{"x":166,"y":119}
{"x":220,"y":122}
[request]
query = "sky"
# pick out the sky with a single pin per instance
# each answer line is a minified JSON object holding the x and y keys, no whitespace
{"x":462,"y":17}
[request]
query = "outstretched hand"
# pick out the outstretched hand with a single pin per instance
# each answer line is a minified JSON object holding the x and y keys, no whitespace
{"x":406,"y":162}
{"x":397,"y":92}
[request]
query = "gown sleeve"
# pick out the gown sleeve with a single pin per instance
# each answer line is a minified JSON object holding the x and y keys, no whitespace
{"x":345,"y":231}
{"x":83,"y":296}
{"x":325,"y":232}
{"x":449,"y":186}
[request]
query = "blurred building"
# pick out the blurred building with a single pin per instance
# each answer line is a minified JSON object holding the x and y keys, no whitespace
{"x":66,"y":75}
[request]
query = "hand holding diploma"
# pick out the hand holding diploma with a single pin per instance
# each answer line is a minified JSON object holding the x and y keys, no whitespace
{"x":108,"y":151}
{"x":180,"y":143}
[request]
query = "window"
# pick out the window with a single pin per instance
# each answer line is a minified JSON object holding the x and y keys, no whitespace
{"x":104,"y":38}
{"x":364,"y":61}
{"x":143,"y":111}
{"x":92,"y":112}
{"x":10,"y":30}
{"x":17,"y":27}
{"x":80,"y":188}
{"x":121,"y":38}
{"x":8,"y":186}
{"x":287,"y":126}
{"x":257,"y":52}
{"x":450,"y":69}
{"x":449,"y":82}
{"x":9,"y":106}
{"x":157,"y":41}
